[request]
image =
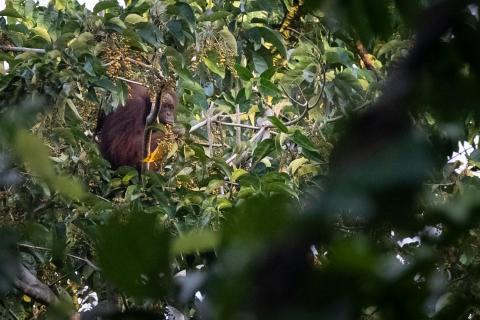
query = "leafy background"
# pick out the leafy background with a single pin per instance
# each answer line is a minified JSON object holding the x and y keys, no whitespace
{"x":314,"y":138}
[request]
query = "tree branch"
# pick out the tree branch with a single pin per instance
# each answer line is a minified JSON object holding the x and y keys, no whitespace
{"x":22,"y":49}
{"x":27,"y":283}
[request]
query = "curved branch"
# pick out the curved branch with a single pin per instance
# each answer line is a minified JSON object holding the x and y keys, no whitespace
{"x":154,"y":111}
{"x":28,"y":284}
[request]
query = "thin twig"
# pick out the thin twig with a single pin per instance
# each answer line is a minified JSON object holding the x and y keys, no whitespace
{"x":67,"y":275}
{"x":239,"y":125}
{"x":232,"y":157}
{"x":305,"y":104}
{"x":259,"y":134}
{"x":108,"y":63}
{"x":129,"y":81}
{"x":238,"y":129}
{"x":204,"y":122}
{"x":140,"y":63}
{"x":13,"y":314}
{"x":90,"y":263}
{"x":22,"y":49}
{"x":216,"y":145}
{"x":209,"y":130}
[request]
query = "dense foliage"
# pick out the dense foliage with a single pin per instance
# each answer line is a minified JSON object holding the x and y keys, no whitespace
{"x":311,"y":140}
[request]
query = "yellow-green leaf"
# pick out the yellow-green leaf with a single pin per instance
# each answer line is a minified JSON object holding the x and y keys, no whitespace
{"x":68,"y":187}
{"x":34,"y":154}
{"x":223,"y":203}
{"x":173,"y":150}
{"x":297,"y":163}
{"x":117,"y":21}
{"x":42,"y":32}
{"x":134,"y":18}
{"x":237,"y":174}
{"x":251,"y":113}
{"x":195,"y":241}
{"x":229,"y":39}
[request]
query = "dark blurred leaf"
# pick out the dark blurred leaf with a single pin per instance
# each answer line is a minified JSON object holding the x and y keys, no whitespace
{"x":134,"y":254}
{"x":193,"y":242}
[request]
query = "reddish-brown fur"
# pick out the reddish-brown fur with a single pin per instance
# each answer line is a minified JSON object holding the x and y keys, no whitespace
{"x":122,"y":134}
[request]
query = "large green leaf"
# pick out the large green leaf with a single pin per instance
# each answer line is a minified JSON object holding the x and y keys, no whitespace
{"x":138,"y":260}
{"x":134,"y":18}
{"x":103,"y":5}
{"x":229,"y":40}
{"x":193,"y":242}
{"x":272,"y":36}
{"x":213,"y":63}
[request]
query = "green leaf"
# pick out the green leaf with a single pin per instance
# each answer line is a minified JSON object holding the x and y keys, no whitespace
{"x":103,"y":5}
{"x":129,"y":176}
{"x":66,"y":134}
{"x":302,"y":140}
{"x":10,"y":12}
{"x":118,"y":22}
{"x":68,"y":187}
{"x":176,"y":57}
{"x":267,"y":88}
{"x":134,"y":19}
{"x":279,"y":124}
{"x":214,"y":185}
{"x":259,"y":63}
{"x":138,"y":260}
{"x":34,"y":154}
{"x":72,"y":107}
{"x":229,"y":39}
{"x":42,"y":32}
{"x":296,"y":164}
{"x":237,"y":173}
{"x":176,"y":29}
{"x":243,"y":73}
{"x":272,"y":36}
{"x":269,"y":73}
{"x":211,"y":61}
{"x":195,"y":242}
{"x":106,"y":84}
{"x":223,"y":166}
{"x":134,"y":40}
{"x":339,"y":55}
{"x":82,"y":43}
{"x":263,"y":149}
{"x":149,"y":33}
{"x":246,"y":192}
{"x":223,"y":204}
{"x":184,"y":10}
{"x":213,"y":16}
{"x":281,"y":188}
